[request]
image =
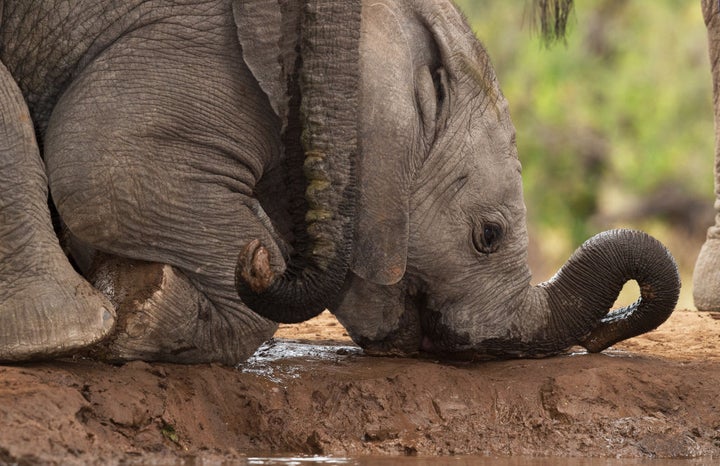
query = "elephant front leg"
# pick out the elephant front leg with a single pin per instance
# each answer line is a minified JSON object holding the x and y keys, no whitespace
{"x":706,"y":276}
{"x":162,"y":316}
{"x":46,"y":308}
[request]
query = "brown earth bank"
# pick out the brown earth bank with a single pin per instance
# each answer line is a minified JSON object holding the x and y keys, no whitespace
{"x":311,"y":391}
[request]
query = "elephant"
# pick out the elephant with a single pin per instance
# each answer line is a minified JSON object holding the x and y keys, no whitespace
{"x":706,"y":275}
{"x":179,"y":176}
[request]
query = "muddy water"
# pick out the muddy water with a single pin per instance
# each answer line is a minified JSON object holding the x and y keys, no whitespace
{"x":330,"y":404}
{"x":288,"y":363}
{"x":450,"y":461}
{"x":316,"y":399}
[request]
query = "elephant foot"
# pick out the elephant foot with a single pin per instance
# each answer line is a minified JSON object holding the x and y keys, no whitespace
{"x":46,"y":308}
{"x":162,"y":316}
{"x":706,"y":277}
{"x":49,"y":313}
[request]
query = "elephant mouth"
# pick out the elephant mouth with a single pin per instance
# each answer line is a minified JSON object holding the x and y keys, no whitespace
{"x":437,"y":340}
{"x":420,"y":332}
{"x":416,"y":332}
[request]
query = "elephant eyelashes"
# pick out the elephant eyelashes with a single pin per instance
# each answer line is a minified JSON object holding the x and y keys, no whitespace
{"x":487,"y":239}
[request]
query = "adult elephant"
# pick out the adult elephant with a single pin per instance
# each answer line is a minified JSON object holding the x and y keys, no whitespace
{"x":706,"y":276}
{"x":175,"y":134}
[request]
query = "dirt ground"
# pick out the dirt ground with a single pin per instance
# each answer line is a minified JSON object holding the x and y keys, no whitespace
{"x":311,"y":391}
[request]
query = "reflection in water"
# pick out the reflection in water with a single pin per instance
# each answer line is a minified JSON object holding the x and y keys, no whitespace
{"x":296,"y":460}
{"x":469,"y":461}
{"x":301,"y":461}
{"x":264,"y":361}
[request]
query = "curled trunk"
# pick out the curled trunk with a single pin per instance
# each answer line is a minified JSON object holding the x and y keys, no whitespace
{"x":579,"y":296}
{"x":329,"y":90}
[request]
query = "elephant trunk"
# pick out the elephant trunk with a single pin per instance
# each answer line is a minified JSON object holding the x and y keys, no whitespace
{"x":329,"y":92}
{"x":577,"y":299}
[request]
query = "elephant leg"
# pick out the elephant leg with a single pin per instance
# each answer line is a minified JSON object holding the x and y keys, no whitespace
{"x":46,"y":308}
{"x":706,"y":276}
{"x":145,"y":164}
{"x":162,"y":316}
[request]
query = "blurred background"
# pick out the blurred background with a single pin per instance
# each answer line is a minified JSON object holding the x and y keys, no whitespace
{"x":614,"y":126}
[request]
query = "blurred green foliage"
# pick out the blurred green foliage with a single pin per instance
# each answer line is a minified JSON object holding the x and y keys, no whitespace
{"x":620,"y":110}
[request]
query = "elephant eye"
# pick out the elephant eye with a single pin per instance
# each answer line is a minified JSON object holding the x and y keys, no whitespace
{"x":487,"y":238}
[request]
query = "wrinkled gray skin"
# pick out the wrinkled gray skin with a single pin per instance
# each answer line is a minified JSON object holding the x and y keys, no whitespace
{"x":155,"y":137}
{"x":161,"y":128}
{"x":439,"y":257}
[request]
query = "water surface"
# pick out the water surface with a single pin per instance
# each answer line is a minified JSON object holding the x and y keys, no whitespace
{"x":469,"y":461}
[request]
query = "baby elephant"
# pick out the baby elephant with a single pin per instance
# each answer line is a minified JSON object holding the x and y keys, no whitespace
{"x":206,"y":158}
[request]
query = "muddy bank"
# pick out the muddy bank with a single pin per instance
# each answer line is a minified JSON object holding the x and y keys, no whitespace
{"x":654,"y":396}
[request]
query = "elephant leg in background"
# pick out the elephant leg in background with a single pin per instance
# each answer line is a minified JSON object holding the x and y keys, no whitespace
{"x":46,"y":308}
{"x":706,"y":276}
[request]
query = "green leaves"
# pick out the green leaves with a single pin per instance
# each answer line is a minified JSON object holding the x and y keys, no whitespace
{"x":622,"y":109}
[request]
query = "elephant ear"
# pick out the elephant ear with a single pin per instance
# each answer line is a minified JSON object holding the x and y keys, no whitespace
{"x":269,"y":34}
{"x":381,"y":239}
{"x":382,"y":225}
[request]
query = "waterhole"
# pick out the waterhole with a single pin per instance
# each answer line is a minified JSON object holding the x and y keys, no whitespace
{"x":440,"y":461}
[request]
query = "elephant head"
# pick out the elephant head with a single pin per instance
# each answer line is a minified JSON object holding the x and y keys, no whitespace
{"x":436,"y":239}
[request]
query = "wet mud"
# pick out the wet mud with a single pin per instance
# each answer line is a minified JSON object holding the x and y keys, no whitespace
{"x":311,"y":391}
